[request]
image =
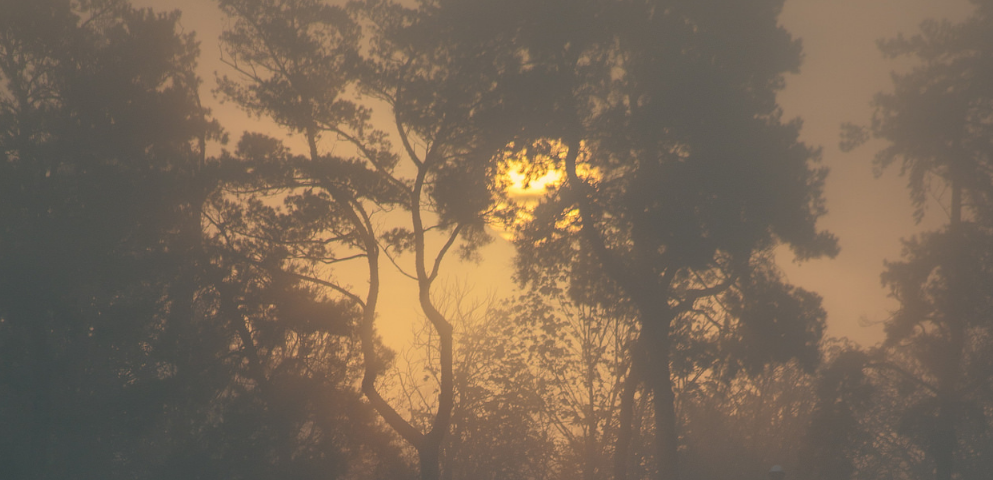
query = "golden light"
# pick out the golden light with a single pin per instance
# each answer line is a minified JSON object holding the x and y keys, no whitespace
{"x":523,"y":189}
{"x":529,"y":176}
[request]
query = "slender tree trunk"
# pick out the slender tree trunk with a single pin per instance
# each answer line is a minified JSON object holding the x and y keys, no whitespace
{"x":429,"y":450}
{"x":655,"y":329}
{"x":428,"y":445}
{"x":945,"y":439}
{"x":187,"y":252}
{"x":666,"y":437}
{"x":665,"y":428}
{"x":41,"y":407}
{"x":590,"y":440}
{"x":625,"y":418}
{"x":944,"y":442}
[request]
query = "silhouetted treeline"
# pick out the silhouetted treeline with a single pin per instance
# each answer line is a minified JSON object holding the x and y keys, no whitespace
{"x":170,"y":313}
{"x":934,"y":368}
{"x":136,"y":340}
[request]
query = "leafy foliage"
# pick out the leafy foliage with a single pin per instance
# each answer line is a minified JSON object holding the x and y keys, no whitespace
{"x":140,"y":340}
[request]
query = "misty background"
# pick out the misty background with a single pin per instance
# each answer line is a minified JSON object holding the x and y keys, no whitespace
{"x":841,"y":71}
{"x":504,"y":239}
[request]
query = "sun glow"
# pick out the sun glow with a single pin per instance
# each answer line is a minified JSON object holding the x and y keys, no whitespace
{"x":530,"y":175}
{"x":522,"y":188}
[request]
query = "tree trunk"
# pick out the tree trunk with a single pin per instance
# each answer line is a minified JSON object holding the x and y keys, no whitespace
{"x":944,"y":440}
{"x":625,"y":418}
{"x":428,"y":454}
{"x":592,"y":424}
{"x":655,"y":329}
{"x":666,"y":438}
{"x":944,"y":445}
{"x":41,"y":407}
{"x":650,"y":294}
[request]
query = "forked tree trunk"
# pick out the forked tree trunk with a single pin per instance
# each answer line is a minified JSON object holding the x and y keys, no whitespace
{"x":428,"y":445}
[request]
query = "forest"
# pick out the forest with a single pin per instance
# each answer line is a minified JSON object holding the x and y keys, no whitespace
{"x":179,"y":300}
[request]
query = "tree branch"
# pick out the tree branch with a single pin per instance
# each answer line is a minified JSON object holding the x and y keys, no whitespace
{"x":444,"y":250}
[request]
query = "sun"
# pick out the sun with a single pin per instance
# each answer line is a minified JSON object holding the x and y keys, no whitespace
{"x":521,"y":188}
{"x":528,"y":176}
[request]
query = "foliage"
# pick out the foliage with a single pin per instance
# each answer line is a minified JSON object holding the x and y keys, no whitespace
{"x":499,"y":429}
{"x":937,"y":125}
{"x":750,"y":423}
{"x":321,"y":70}
{"x":138,"y":339}
{"x":682,"y":174}
{"x":95,"y":145}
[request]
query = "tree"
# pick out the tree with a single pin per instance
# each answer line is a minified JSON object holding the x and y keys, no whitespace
{"x":937,"y":124}
{"x":499,"y":426}
{"x":580,"y":356}
{"x":750,"y":423}
{"x":839,"y":436}
{"x":138,"y":339}
{"x":94,"y":144}
{"x":680,"y":173}
{"x":291,"y":407}
{"x":299,"y":62}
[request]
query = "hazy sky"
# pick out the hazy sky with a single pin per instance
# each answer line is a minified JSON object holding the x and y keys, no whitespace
{"x":841,"y":71}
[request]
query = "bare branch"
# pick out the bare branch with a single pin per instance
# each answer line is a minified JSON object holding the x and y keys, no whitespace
{"x":395,"y":264}
{"x":444,"y":250}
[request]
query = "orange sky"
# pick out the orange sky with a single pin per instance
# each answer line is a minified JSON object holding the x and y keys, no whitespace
{"x":841,"y":71}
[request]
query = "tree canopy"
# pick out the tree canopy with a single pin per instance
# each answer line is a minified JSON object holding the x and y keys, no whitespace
{"x":936,"y":123}
{"x":140,"y":338}
{"x":681,"y":175}
{"x":172,"y":306}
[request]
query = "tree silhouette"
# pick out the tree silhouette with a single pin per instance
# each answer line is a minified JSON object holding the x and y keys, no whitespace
{"x":750,"y":423}
{"x":579,"y":357}
{"x":937,"y":125}
{"x":98,"y":134}
{"x":139,"y":340}
{"x":681,"y":175}
{"x":299,"y":62}
{"x":499,"y":428}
